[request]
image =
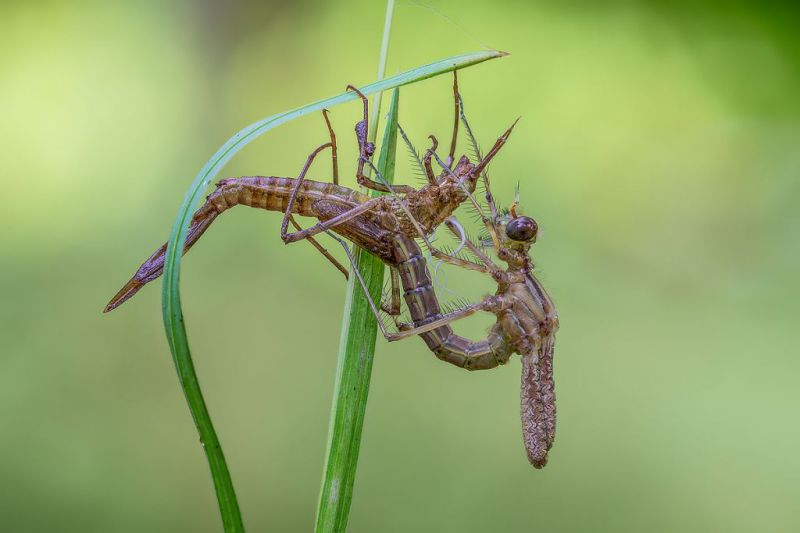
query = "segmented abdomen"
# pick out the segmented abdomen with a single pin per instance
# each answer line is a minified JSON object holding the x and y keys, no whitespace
{"x":272,"y":193}
{"x":424,"y":308}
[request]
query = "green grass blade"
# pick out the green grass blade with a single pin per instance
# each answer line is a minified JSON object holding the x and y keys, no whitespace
{"x":354,"y":367}
{"x":170,"y":298}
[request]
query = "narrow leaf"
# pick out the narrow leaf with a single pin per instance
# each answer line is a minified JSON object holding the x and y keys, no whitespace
{"x":354,"y":369}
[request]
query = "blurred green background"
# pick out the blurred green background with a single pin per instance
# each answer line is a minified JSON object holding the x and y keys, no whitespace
{"x":658,"y":149}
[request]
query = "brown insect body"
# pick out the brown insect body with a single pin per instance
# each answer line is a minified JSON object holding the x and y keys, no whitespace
{"x":432,"y":204}
{"x":314,"y":199}
{"x":429,"y":205}
{"x":387,"y":227}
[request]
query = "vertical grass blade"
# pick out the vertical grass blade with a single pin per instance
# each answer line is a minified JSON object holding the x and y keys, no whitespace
{"x":223,"y":485}
{"x":354,"y":368}
{"x":357,"y":341}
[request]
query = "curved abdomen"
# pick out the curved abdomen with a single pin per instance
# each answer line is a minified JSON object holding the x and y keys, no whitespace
{"x":313,"y":199}
{"x":424,"y":308}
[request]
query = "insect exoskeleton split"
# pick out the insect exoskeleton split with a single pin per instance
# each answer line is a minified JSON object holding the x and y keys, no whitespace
{"x":389,"y":227}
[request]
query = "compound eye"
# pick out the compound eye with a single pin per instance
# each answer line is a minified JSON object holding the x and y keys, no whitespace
{"x":521,"y":229}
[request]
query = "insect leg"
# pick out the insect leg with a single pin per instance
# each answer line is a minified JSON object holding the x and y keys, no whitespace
{"x":321,"y":249}
{"x":488,"y":222}
{"x":426,"y":161}
{"x":335,"y":164}
{"x":366,"y":151}
{"x":451,"y":224}
{"x":454,"y":260}
{"x":445,"y":319}
{"x":334,"y":157}
{"x":480,"y":167}
{"x":454,"y":139}
{"x":354,"y":267}
{"x":394,"y":306}
{"x":494,"y":149}
{"x":329,"y":224}
{"x":301,"y":234}
{"x":477,"y":152}
{"x":288,"y":217}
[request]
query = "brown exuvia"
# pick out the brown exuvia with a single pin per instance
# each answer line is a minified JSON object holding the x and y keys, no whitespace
{"x":388,"y":226}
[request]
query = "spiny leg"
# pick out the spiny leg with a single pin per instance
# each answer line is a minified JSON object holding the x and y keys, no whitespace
{"x":479,"y":168}
{"x":415,"y":158}
{"x":454,"y":260}
{"x":367,"y":149}
{"x":477,"y":152}
{"x":490,"y":223}
{"x":426,"y":169}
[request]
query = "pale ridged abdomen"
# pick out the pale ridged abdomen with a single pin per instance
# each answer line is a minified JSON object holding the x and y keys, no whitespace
{"x":313,"y":199}
{"x":272,"y":193}
{"x":424,"y":308}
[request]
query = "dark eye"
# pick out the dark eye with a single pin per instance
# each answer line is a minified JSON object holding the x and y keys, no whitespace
{"x":521,"y":229}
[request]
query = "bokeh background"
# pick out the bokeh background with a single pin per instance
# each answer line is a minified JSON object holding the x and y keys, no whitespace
{"x":658,"y":149}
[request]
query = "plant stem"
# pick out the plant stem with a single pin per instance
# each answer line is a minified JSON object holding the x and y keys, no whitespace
{"x":223,"y":485}
{"x":357,"y":342}
{"x":372,"y":134}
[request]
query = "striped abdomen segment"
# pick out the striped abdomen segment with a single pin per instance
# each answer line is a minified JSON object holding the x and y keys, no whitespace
{"x":272,"y":193}
{"x":537,"y":402}
{"x":424,"y":308}
{"x":313,"y":199}
{"x":534,"y":320}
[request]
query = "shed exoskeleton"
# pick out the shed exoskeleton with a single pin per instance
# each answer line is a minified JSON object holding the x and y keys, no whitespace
{"x":388,"y":226}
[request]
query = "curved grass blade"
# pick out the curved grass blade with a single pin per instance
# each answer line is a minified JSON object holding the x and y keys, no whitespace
{"x":170,"y":297}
